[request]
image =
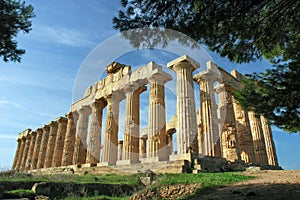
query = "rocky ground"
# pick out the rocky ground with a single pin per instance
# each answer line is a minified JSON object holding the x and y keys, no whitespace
{"x":272,"y":185}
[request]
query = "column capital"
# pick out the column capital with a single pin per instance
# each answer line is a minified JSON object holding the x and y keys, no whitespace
{"x":115,"y":97}
{"x":61,"y":120}
{"x":183,"y":62}
{"x":45,"y":128}
{"x":52,"y":124}
{"x":39,"y":131}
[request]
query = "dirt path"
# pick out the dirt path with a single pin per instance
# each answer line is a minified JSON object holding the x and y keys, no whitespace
{"x":272,"y":185}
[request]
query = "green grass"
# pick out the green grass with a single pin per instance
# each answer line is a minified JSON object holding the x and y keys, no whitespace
{"x":72,"y":178}
{"x":19,"y":193}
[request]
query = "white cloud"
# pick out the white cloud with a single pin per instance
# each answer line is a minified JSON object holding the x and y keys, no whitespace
{"x":62,"y":36}
{"x":5,"y":103}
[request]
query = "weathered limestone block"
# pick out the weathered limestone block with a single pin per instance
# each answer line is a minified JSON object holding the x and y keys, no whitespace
{"x":186,"y":110}
{"x":269,"y":142}
{"x":258,"y":139}
{"x":69,"y":144}
{"x":94,"y":146}
{"x":59,"y":141}
{"x":43,"y":148}
{"x":37,"y":146}
{"x":51,"y":144}
{"x":80,"y":149}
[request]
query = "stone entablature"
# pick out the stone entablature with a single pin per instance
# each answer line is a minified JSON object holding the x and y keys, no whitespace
{"x":220,"y":128}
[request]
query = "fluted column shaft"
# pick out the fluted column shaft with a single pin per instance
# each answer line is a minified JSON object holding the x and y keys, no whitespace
{"x":132,"y":123}
{"x":209,"y":117}
{"x":258,"y":139}
{"x":186,"y":110}
{"x":143,"y":144}
{"x":25,"y":154}
{"x":43,"y":148}
{"x":30,"y":151}
{"x":229,"y":138}
{"x":157,"y":139}
{"x":244,"y":133}
{"x":81,"y":139}
{"x":120,"y":155}
{"x":37,"y":146}
{"x":59,"y":141}
{"x":110,"y":148}
{"x":94,"y":146}
{"x":69,"y":143}
{"x":51,"y":144}
{"x":269,"y":142}
{"x":21,"y":153}
{"x":17,"y":154}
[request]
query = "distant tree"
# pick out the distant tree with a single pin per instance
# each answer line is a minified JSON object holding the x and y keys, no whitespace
{"x":14,"y":17}
{"x":242,"y":31}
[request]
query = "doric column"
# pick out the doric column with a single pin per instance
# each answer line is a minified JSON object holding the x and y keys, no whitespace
{"x":94,"y":146}
{"x":258,"y":139}
{"x":120,"y":152}
{"x":25,"y":154}
{"x":17,"y":154}
{"x":51,"y":144}
{"x":186,"y":110}
{"x":143,"y":144}
{"x":229,"y":138}
{"x":132,"y":125}
{"x":110,"y":147}
{"x":269,"y":142}
{"x":157,"y":140}
{"x":244,"y":133}
{"x":209,"y":117}
{"x":68,"y":151}
{"x":30,"y":151}
{"x":80,"y":149}
{"x":37,"y":146}
{"x":170,"y":141}
{"x":21,"y":153}
{"x":59,"y":141}
{"x":43,"y":148}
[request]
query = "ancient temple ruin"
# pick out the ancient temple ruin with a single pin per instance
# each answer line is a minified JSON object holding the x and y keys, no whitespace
{"x":220,"y":130}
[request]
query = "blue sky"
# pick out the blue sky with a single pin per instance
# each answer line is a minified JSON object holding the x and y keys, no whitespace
{"x":40,"y":88}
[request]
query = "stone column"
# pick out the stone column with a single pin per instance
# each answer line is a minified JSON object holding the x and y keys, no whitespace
{"x":143,"y":144}
{"x":258,"y":139}
{"x":120,"y":153}
{"x":21,"y":153}
{"x":25,"y":154}
{"x":186,"y":110}
{"x":17,"y":154}
{"x":37,"y":146}
{"x":59,"y":141}
{"x":269,"y":142}
{"x":244,"y":133}
{"x":68,"y":151}
{"x":30,"y":151}
{"x":81,"y":143}
{"x":132,"y":125}
{"x":170,"y":141}
{"x":94,"y":146}
{"x":51,"y":144}
{"x":229,"y":138}
{"x":157,"y":140}
{"x":43,"y":148}
{"x":110,"y":147}
{"x":209,"y":117}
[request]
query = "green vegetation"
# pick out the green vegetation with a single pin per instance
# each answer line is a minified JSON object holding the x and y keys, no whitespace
{"x":204,"y":180}
{"x":20,"y":193}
